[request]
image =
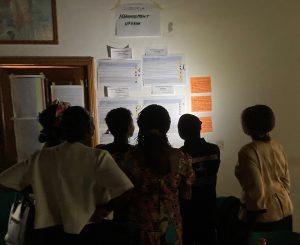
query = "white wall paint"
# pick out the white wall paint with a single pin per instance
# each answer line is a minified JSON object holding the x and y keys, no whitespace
{"x":250,"y":48}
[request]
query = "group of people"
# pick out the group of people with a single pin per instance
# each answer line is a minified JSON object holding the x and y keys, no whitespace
{"x":148,"y":193}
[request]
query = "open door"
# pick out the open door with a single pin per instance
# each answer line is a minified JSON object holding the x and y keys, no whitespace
{"x":58,"y":71}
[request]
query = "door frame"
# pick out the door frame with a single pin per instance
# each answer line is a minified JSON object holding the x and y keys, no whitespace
{"x":23,"y":62}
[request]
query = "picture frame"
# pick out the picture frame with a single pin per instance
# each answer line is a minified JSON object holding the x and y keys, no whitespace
{"x":28,"y":22}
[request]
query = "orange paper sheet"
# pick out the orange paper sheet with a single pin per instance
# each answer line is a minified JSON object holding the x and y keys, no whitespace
{"x":200,"y":84}
{"x":201,"y":103}
{"x":206,"y":124}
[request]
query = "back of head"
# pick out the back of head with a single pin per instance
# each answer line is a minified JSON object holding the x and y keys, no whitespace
{"x":77,"y":124}
{"x":50,"y":119}
{"x":258,"y":121}
{"x":189,"y":126}
{"x":118,"y":121}
{"x":154,"y":117}
{"x":154,"y":122}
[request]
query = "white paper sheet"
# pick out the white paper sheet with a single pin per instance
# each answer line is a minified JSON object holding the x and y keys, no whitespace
{"x":163,"y":90}
{"x":175,"y":140}
{"x":156,"y":51}
{"x":27,"y":132}
{"x":118,"y":73}
{"x":116,"y":92}
{"x":121,"y":53}
{"x":74,"y":94}
{"x":118,"y":68}
{"x":164,"y":70}
{"x":27,"y":93}
{"x":137,"y":19}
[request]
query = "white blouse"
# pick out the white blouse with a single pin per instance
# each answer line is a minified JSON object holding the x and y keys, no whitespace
{"x":68,"y":181}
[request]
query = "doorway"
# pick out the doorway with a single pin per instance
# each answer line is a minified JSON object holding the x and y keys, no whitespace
{"x":58,"y":71}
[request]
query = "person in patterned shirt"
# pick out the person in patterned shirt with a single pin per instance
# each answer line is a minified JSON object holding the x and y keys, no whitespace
{"x":162,"y":176}
{"x":120,"y":124}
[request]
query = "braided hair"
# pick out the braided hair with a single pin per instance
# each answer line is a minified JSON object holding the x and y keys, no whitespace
{"x":154,"y":122}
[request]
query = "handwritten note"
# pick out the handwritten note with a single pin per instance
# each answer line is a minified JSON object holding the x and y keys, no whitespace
{"x":137,"y":19}
{"x":201,"y":103}
{"x":74,"y":94}
{"x":200,"y":84}
{"x":206,"y":124}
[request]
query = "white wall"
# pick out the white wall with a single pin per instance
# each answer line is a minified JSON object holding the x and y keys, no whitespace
{"x":250,"y":48}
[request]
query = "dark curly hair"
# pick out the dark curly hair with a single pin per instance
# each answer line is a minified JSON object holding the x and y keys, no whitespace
{"x":189,"y":126}
{"x":51,"y":133}
{"x":258,"y":121}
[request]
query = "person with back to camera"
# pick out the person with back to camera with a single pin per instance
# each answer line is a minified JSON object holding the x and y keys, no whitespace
{"x":72,"y":184}
{"x":199,"y":214}
{"x":50,"y":135}
{"x":120,"y":125}
{"x":162,"y":175}
{"x":262,"y":171}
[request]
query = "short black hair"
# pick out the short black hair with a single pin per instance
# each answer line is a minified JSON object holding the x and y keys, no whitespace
{"x":118,"y":121}
{"x":76,"y":124}
{"x":189,"y":126}
{"x":258,"y":120}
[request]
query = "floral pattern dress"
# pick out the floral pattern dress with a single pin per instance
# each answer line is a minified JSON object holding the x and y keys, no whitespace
{"x":155,"y":209}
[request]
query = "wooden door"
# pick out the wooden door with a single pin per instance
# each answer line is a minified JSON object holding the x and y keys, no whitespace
{"x":58,"y":71}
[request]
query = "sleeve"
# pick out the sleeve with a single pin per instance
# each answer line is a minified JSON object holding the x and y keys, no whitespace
{"x":286,"y":177}
{"x":250,"y":179}
{"x":17,"y":176}
{"x":187,"y":176}
{"x":110,"y":176}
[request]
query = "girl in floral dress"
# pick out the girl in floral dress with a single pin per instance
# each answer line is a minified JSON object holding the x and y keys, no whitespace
{"x":162,"y":177}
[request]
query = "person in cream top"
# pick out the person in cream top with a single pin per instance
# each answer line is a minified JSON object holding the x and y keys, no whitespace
{"x":72,"y":182}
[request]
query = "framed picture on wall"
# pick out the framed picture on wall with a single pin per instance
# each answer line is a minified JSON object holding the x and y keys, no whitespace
{"x":28,"y":22}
